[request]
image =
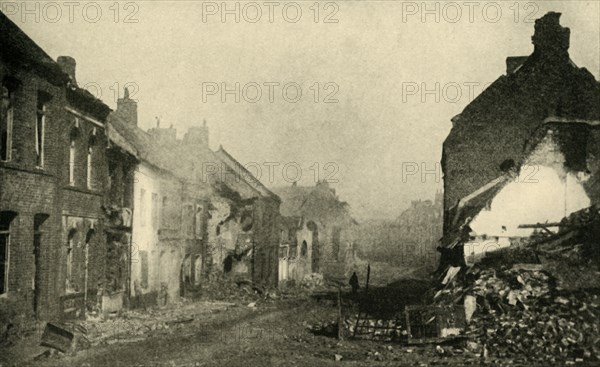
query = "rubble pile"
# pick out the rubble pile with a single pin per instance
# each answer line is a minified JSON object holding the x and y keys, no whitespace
{"x":232,"y":290}
{"x":313,"y":280}
{"x":135,"y":325}
{"x":325,"y":328}
{"x":520,"y":311}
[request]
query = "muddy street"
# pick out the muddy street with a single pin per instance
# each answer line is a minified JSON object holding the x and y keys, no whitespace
{"x":279,"y":335}
{"x":297,"y":332}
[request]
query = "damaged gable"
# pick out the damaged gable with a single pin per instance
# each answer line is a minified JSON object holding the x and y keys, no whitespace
{"x":525,"y":150}
{"x":501,"y":121}
{"x":549,"y":185}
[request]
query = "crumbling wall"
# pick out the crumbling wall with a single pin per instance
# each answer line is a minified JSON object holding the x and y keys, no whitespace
{"x":223,"y":233}
{"x":170,"y":261}
{"x":495,"y":127}
{"x":302,"y":265}
{"x":544,"y":191}
{"x":81,"y":267}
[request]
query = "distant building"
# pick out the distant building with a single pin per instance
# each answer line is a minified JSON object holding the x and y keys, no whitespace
{"x":420,"y":230}
{"x":317,"y":233}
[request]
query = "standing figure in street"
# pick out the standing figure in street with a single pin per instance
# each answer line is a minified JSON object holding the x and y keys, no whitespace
{"x":354,"y":283}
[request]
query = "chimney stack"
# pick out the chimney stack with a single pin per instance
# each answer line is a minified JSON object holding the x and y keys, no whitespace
{"x":127,"y":109}
{"x":550,"y":39}
{"x":68,"y":65}
{"x":165,"y":136}
{"x":197,"y":135}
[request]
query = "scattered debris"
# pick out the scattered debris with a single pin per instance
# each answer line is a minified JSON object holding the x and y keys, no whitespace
{"x":439,"y":350}
{"x":136,"y":325}
{"x":312,"y":280}
{"x":57,"y":337}
{"x":47,"y":353}
{"x":522,"y":312}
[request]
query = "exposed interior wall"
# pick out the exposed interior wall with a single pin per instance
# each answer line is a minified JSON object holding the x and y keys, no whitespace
{"x":229,"y":245}
{"x":476,"y":249}
{"x":497,"y":124}
{"x":543,"y":192}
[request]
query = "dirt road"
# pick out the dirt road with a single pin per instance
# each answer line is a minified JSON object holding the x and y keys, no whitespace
{"x":268,"y":335}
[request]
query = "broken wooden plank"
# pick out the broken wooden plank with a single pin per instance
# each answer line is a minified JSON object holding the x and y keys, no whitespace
{"x":57,"y":337}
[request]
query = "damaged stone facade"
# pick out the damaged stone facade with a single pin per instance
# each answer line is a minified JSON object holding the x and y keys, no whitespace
{"x":170,"y":214}
{"x":28,"y":194}
{"x":534,"y":126}
{"x":198,"y":214}
{"x":318,"y":232}
{"x":243,"y":232}
{"x":524,"y":200}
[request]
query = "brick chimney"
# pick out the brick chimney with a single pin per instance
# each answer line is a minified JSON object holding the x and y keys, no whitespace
{"x":551,"y":40}
{"x":68,"y":65}
{"x":127,"y":109}
{"x":197,"y":135}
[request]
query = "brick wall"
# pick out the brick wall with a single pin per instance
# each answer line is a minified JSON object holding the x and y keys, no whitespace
{"x":27,"y":191}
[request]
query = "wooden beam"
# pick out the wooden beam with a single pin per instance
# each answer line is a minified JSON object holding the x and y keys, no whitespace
{"x":539,"y":225}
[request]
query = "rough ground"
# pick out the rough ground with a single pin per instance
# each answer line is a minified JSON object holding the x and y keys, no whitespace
{"x":281,"y":332}
{"x":276,"y":335}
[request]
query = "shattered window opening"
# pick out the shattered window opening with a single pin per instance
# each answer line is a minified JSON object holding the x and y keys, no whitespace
{"x":6,"y":218}
{"x":70,"y":285}
{"x":40,"y":126}
{"x":304,"y":249}
{"x":6,"y":123}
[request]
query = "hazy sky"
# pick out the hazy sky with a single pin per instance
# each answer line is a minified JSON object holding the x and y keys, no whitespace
{"x":374,"y":58}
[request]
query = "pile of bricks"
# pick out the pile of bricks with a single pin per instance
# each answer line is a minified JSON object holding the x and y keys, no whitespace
{"x":522,"y":313}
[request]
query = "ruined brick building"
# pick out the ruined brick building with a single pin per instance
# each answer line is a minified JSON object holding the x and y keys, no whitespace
{"x":247,"y":232}
{"x":525,"y":151}
{"x":52,"y":167}
{"x":241,"y":236}
{"x":318,"y":232}
{"x":82,"y":182}
{"x":197,"y":215}
{"x":97,"y":214}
